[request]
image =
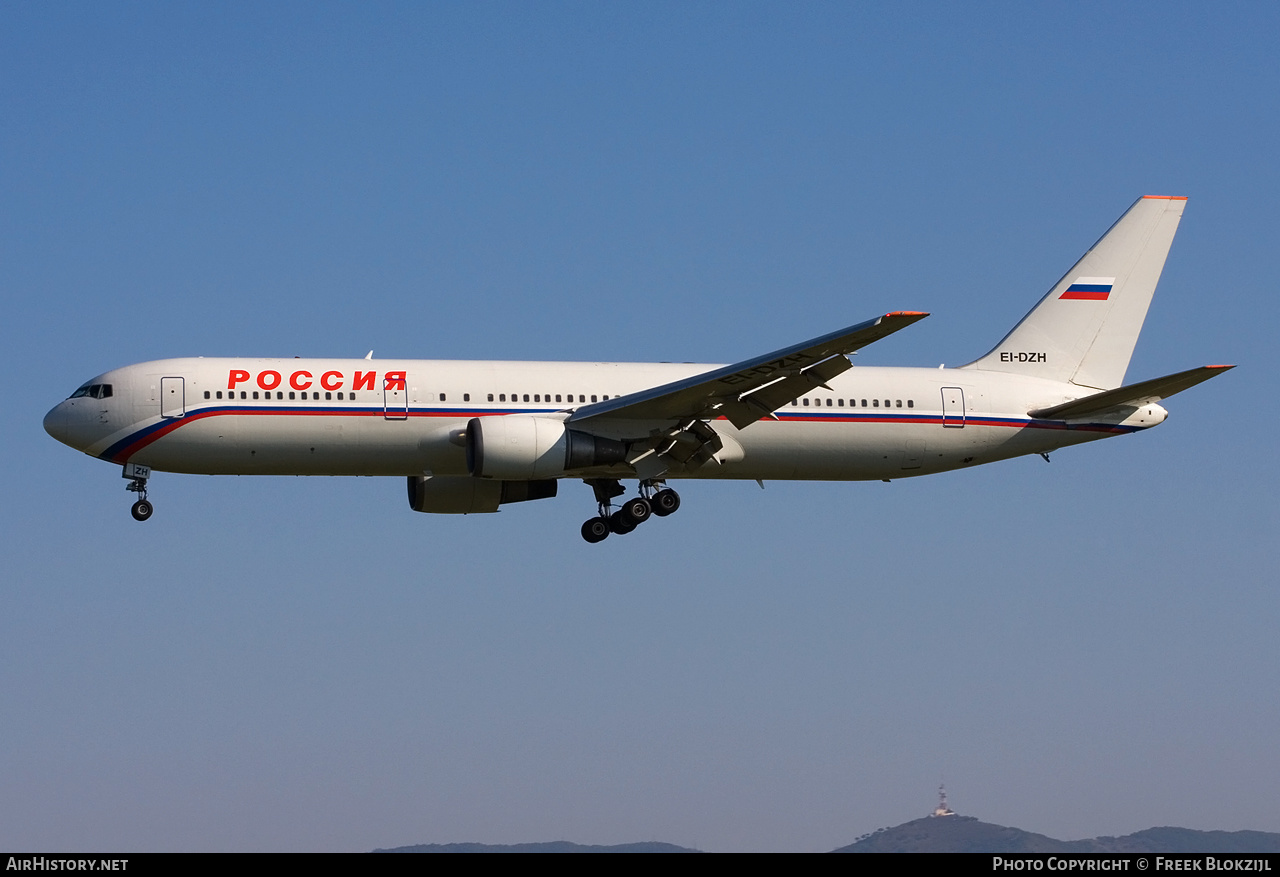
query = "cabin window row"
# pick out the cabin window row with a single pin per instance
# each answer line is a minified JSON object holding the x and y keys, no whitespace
{"x":341,"y":396}
{"x":536,"y":397}
{"x":280,"y":394}
{"x":103,"y":390}
{"x":544,"y":397}
{"x":853,"y":403}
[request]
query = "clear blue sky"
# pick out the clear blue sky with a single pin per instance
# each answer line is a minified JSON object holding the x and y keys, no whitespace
{"x":1080,"y":648}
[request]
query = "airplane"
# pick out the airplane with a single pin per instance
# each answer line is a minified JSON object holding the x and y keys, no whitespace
{"x":471,"y":436}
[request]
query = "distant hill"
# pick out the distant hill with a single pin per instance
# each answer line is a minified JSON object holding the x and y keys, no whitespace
{"x":964,"y":834}
{"x":558,"y":846}
{"x":1185,"y":840}
{"x":956,"y":834}
{"x":942,"y":834}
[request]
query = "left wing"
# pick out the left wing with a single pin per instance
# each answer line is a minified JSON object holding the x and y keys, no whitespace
{"x":754,"y":388}
{"x":669,"y":427}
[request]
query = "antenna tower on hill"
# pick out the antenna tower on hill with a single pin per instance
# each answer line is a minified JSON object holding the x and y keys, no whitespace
{"x":942,"y":808}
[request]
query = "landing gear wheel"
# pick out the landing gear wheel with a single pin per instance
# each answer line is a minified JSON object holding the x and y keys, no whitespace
{"x":636,"y":511}
{"x":619,"y":524}
{"x":595,"y":530}
{"x":141,"y":510}
{"x":665,"y":502}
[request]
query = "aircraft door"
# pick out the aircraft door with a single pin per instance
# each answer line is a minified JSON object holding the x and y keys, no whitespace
{"x":953,"y":407}
{"x":395,"y":400}
{"x":173,"y":397}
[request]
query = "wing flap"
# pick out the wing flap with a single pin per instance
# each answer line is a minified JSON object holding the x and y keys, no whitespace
{"x":752,"y":406}
{"x":1136,"y":395}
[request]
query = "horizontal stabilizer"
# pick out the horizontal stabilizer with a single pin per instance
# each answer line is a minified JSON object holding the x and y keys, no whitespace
{"x":1135,"y":395}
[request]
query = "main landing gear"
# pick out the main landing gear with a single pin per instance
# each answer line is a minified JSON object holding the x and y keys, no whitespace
{"x":653,"y":500}
{"x":138,"y":476}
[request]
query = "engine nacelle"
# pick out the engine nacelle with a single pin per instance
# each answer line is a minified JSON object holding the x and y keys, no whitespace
{"x":527,"y":448}
{"x":461,"y":495}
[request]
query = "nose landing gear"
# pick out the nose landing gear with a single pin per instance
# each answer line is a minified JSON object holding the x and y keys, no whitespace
{"x":633,"y":513}
{"x":138,"y":476}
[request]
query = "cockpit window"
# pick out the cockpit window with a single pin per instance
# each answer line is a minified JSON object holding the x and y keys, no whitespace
{"x":93,"y":391}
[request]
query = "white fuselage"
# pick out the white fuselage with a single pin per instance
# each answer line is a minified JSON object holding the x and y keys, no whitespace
{"x":406,"y":417}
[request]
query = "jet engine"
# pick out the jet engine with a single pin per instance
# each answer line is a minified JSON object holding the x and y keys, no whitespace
{"x":525,"y":448}
{"x":461,"y":495}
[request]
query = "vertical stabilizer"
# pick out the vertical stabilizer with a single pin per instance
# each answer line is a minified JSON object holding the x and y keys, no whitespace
{"x":1085,"y":329}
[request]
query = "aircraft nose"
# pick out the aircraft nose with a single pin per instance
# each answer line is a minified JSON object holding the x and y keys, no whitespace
{"x":55,"y":423}
{"x":70,"y":425}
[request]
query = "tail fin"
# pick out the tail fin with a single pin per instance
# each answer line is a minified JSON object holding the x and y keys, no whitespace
{"x":1085,"y":329}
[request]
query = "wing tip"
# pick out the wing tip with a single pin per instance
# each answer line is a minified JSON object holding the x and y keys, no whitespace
{"x":907,"y":314}
{"x":1219,"y":366}
{"x":1164,"y":197}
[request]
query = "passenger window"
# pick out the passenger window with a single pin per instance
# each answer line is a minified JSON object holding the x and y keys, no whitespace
{"x":255,"y":394}
{"x":280,"y":394}
{"x":490,"y":397}
{"x":911,"y":403}
{"x":828,"y":403}
{"x":593,"y":398}
{"x":339,"y":395}
{"x":442,"y":397}
{"x":875,"y":403}
{"x":557,"y":397}
{"x":206,"y":394}
{"x":466,"y":397}
{"x":526,"y":397}
{"x":219,"y":394}
{"x":898,"y":404}
{"x":327,"y":396}
{"x":291,"y":396}
{"x":537,"y":397}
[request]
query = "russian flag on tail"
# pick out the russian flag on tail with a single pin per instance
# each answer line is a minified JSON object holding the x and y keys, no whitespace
{"x":1089,"y":289}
